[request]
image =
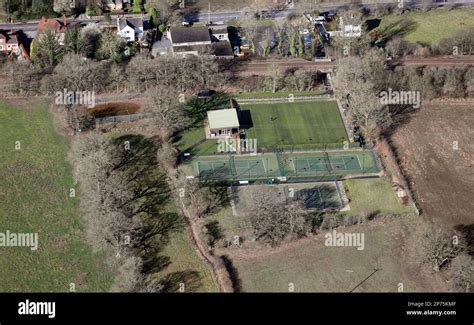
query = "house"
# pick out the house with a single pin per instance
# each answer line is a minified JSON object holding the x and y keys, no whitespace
{"x":347,"y":31}
{"x":220,"y":32}
{"x":223,"y":123}
{"x":189,"y":36}
{"x":53,"y":24}
{"x":130,"y":29}
{"x":190,"y":40}
{"x":222,"y":50}
{"x":113,"y":5}
{"x":9,"y":43}
{"x":352,"y":30}
{"x":3,"y":43}
{"x":200,"y":40}
{"x":12,"y":43}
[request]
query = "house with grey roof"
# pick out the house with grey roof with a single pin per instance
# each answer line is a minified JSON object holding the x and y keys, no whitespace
{"x":199,"y":40}
{"x":189,"y":37}
{"x":130,"y":29}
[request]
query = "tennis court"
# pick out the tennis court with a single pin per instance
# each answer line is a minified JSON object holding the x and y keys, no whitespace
{"x":320,"y":196}
{"x":232,"y":169}
{"x":324,"y":164}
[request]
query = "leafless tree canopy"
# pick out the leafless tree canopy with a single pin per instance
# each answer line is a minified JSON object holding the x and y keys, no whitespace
{"x":440,"y":247}
{"x":123,"y":197}
{"x":274,"y":221}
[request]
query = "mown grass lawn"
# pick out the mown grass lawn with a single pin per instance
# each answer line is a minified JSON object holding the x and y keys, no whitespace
{"x":296,"y":124}
{"x":34,"y":192}
{"x":376,"y":195}
{"x":432,"y":26}
{"x":194,"y":140}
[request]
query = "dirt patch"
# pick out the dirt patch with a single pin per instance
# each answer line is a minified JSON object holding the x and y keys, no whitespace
{"x":435,"y":150}
{"x":114,"y":109}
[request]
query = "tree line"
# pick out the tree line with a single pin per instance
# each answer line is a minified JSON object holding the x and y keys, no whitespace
{"x":124,"y":198}
{"x":76,"y":73}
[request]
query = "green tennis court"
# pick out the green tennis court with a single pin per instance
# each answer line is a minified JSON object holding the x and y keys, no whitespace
{"x":230,"y":169}
{"x":313,"y":165}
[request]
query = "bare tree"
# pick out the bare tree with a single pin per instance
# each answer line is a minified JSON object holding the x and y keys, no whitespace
{"x":167,"y":156}
{"x":76,"y":73}
{"x":168,"y":112}
{"x":274,"y":221}
{"x":117,"y":78}
{"x":198,"y":198}
{"x":281,"y":28}
{"x":439,"y":248}
{"x":26,"y":78}
{"x":276,"y":74}
{"x":109,"y":45}
{"x":361,"y":80}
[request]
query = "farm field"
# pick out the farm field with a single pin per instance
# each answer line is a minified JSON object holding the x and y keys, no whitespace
{"x":313,"y":267}
{"x":430,"y":27}
{"x":296,"y":124}
{"x":34,"y":191}
{"x":436,"y":152}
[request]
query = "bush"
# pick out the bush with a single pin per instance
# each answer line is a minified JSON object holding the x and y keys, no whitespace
{"x":162,"y":28}
{"x":91,"y":11}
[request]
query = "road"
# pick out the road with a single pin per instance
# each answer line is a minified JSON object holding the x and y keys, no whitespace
{"x":262,"y":67}
{"x":231,"y":15}
{"x":215,"y":17}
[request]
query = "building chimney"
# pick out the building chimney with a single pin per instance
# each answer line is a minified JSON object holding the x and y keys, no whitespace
{"x":65,"y":20}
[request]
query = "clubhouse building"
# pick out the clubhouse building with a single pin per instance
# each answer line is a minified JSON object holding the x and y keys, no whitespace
{"x":222,"y":124}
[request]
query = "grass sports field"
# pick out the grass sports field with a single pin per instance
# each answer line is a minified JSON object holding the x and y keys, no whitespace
{"x":320,"y":165}
{"x":34,"y":188}
{"x":296,"y":124}
{"x":305,"y":125}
